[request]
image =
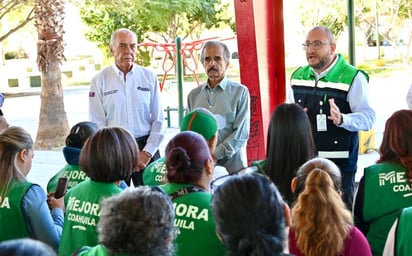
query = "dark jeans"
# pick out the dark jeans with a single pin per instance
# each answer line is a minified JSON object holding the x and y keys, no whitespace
{"x":137,"y":177}
{"x":348,"y":188}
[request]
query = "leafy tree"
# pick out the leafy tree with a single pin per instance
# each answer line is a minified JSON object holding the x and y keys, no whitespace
{"x":394,"y":18}
{"x":331,"y":14}
{"x":105,"y":17}
{"x":153,"y":20}
{"x":18,"y":13}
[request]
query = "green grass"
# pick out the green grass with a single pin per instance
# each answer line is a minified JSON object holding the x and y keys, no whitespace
{"x":383,"y":68}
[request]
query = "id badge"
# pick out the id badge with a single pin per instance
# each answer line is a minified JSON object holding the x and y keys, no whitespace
{"x":321,"y":122}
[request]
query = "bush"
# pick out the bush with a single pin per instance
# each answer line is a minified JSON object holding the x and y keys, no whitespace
{"x":15,"y":55}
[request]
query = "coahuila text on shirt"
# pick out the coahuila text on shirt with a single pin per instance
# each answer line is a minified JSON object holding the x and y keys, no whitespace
{"x":82,"y":212}
{"x":4,"y":203}
{"x":189,"y":212}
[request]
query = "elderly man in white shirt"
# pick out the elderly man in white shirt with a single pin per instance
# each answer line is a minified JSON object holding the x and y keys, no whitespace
{"x":128,"y":95}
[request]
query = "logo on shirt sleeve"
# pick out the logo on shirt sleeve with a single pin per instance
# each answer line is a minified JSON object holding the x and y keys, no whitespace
{"x":91,"y":94}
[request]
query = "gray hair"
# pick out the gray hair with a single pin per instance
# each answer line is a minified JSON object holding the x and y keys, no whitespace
{"x":138,"y":221}
{"x":226,"y":52}
{"x":113,"y":38}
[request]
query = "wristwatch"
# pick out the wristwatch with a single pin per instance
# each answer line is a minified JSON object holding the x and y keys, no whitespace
{"x":147,"y":153}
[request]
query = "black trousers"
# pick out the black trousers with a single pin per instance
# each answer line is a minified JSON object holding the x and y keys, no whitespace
{"x":348,"y":188}
{"x":137,"y":177}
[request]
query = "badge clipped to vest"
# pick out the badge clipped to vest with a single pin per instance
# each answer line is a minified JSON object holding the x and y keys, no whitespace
{"x":321,"y":119}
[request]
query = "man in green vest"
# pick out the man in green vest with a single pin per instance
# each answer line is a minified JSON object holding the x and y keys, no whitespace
{"x":334,"y":95}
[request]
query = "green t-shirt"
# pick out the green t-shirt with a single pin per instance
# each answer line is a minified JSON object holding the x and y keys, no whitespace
{"x":386,"y":193}
{"x":155,"y":173}
{"x":404,"y":233}
{"x":12,"y":220}
{"x":82,"y":214}
{"x":194,"y":219}
{"x":73,"y":172}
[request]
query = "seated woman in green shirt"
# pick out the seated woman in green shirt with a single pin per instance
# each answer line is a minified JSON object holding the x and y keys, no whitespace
{"x":189,"y":167}
{"x":108,"y":157}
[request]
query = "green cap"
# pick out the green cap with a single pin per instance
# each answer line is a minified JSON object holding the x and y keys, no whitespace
{"x":202,"y":121}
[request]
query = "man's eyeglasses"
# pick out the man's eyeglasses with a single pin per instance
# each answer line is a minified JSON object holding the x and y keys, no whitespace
{"x":315,"y":44}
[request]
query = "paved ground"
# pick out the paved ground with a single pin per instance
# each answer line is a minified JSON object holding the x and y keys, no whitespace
{"x":387,"y":95}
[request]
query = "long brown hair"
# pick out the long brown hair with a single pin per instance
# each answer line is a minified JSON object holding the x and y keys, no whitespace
{"x":320,"y":218}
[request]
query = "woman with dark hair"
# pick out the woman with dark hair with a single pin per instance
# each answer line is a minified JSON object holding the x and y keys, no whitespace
{"x":78,"y":135}
{"x":137,"y":222}
{"x":189,"y":167}
{"x":321,"y":223}
{"x":289,"y":145}
{"x":108,"y":157}
{"x":385,"y":187}
{"x":24,"y":212}
{"x":250,"y":216}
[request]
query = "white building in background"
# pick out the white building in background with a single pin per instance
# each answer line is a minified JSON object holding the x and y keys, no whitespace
{"x":83,"y":58}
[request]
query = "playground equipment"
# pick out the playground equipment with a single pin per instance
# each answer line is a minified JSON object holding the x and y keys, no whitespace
{"x":260,"y":40}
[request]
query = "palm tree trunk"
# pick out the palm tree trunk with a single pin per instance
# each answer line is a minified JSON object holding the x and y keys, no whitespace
{"x":53,"y":125}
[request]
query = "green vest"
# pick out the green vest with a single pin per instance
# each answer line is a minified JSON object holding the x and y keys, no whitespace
{"x":82,"y":214}
{"x":386,"y":194}
{"x":337,"y":144}
{"x":12,"y":221}
{"x":194,"y":219}
{"x":155,"y":173}
{"x":403,"y":245}
{"x":73,"y":172}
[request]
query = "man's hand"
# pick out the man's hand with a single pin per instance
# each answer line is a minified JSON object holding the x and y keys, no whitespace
{"x":144,"y":159}
{"x":335,"y":114}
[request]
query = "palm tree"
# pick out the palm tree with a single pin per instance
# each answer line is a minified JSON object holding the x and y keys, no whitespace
{"x":53,"y":125}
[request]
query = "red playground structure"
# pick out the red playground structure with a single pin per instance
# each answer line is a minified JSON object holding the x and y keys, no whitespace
{"x":260,"y":41}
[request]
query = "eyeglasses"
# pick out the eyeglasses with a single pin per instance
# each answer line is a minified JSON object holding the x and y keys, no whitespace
{"x":316,"y":44}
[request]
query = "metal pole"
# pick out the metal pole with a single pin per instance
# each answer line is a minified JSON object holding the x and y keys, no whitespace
{"x":179,"y":76}
{"x":351,"y":28}
{"x":377,"y":30}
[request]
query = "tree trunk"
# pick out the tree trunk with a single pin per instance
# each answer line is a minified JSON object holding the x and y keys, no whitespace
{"x":53,"y":125}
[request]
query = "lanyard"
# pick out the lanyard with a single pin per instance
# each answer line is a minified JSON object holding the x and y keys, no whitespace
{"x":185,"y":191}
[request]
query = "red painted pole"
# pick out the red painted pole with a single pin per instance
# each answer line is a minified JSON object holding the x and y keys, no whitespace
{"x":259,"y":26}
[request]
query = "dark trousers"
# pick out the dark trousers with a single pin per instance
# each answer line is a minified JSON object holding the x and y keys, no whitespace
{"x":137,"y":177}
{"x":348,"y":188}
